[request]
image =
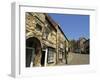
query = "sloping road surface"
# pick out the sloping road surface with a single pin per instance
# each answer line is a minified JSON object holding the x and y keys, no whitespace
{"x":77,"y":58}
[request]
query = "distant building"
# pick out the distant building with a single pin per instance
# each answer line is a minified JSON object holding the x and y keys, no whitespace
{"x":86,"y":46}
{"x":46,"y":44}
{"x":81,"y":44}
{"x":72,"y":45}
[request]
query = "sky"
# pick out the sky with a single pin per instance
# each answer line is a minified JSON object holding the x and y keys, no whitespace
{"x":73,"y":26}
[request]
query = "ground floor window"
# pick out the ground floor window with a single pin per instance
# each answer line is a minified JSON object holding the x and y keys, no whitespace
{"x":50,"y":55}
{"x":30,"y":56}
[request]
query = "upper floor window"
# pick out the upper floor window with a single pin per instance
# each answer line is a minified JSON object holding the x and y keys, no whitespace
{"x":38,"y":27}
{"x":46,"y":32}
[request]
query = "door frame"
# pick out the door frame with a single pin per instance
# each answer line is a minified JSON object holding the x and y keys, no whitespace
{"x":45,"y":60}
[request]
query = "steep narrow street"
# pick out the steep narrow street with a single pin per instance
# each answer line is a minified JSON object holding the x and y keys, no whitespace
{"x":77,"y":58}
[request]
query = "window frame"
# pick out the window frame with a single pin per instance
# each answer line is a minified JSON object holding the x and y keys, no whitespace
{"x":50,"y":55}
{"x":38,"y":27}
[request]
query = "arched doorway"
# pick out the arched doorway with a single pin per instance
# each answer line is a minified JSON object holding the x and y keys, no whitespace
{"x":33,"y":52}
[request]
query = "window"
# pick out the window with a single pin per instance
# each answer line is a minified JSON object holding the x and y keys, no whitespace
{"x":38,"y":27}
{"x":61,"y":53}
{"x":46,"y":33}
{"x":48,"y":24}
{"x":50,"y":56}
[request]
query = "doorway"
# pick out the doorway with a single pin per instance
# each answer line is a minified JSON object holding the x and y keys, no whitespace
{"x":32,"y":45}
{"x":43,"y":58}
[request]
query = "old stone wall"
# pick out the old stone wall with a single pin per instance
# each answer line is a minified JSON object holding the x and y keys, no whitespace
{"x":38,"y":26}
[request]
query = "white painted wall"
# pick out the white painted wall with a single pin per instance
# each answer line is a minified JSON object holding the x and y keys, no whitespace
{"x":5,"y":40}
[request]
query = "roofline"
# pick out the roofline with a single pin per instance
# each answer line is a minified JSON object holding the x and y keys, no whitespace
{"x":62,"y":32}
{"x":51,"y":21}
{"x":55,"y":24}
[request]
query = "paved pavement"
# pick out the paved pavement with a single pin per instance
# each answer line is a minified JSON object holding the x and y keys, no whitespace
{"x":77,"y":58}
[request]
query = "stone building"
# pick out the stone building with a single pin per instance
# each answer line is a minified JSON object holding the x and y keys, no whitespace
{"x":82,"y":41}
{"x":46,"y":44}
{"x":62,"y":46}
{"x":86,"y":47}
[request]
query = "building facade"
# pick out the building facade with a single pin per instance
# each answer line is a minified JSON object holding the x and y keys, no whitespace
{"x":81,"y":44}
{"x":46,"y":44}
{"x":87,"y":47}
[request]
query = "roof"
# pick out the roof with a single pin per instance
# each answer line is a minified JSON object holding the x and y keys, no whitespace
{"x":87,"y":41}
{"x":81,"y":38}
{"x":51,"y":21}
{"x":62,"y":32}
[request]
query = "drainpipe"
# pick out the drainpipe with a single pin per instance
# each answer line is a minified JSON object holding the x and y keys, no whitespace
{"x":66,"y":51}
